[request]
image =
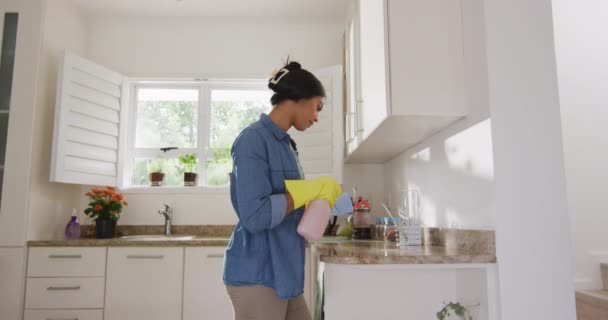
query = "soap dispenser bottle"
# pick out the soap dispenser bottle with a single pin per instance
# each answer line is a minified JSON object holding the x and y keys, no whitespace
{"x":72,"y":229}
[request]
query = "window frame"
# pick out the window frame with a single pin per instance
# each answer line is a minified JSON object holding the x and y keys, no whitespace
{"x":203,"y":149}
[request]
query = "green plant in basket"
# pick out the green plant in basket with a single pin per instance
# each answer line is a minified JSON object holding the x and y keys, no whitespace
{"x":188,"y":161}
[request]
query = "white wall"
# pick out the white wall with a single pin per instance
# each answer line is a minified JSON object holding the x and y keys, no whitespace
{"x":211,"y":47}
{"x":368,"y":179}
{"x":453,"y":169}
{"x":532,"y":223}
{"x":208,"y":47}
{"x":51,"y":203}
{"x":582,"y":47}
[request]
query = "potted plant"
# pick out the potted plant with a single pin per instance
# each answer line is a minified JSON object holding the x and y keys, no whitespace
{"x":105,"y":206}
{"x":189,"y":163}
{"x":455,"y":311}
{"x":156,"y":171}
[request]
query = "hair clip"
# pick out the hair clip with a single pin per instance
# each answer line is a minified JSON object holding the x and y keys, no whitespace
{"x":279,"y":76}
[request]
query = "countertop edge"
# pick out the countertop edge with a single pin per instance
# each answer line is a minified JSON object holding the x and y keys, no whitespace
{"x":380,"y":260}
{"x":115,"y":242}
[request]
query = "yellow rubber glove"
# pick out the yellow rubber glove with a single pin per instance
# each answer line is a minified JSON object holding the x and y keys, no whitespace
{"x":304,"y":191}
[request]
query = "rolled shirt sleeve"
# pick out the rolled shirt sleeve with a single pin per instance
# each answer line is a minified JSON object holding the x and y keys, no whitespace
{"x":258,"y":208}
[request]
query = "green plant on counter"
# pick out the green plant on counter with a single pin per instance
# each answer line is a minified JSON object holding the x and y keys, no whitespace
{"x":188,"y":162}
{"x":156,"y":165}
{"x":456,"y":308}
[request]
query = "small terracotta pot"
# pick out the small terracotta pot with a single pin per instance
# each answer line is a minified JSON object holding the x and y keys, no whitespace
{"x":190,"y":179}
{"x":156,"y":179}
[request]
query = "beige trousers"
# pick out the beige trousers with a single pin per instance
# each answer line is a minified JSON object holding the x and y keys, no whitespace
{"x":261,"y":303}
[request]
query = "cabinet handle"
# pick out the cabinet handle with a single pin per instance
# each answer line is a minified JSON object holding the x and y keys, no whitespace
{"x":65,"y":256}
{"x":347,"y":128}
{"x":354,"y":126}
{"x":145,"y":256}
{"x":62,"y":318}
{"x":53,"y":288}
{"x":215,"y":255}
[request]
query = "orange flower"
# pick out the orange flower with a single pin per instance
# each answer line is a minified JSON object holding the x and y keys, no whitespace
{"x":110,"y":188}
{"x":125,"y":203}
{"x":89,"y":194}
{"x":97,"y":207}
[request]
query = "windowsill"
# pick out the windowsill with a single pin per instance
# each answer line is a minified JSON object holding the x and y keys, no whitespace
{"x":223,"y":190}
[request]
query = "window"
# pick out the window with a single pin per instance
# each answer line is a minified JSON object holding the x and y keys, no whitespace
{"x":173,"y":118}
{"x":7,"y":63}
{"x":110,"y":128}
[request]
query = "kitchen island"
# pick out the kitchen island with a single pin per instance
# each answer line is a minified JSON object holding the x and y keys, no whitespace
{"x":363,"y":279}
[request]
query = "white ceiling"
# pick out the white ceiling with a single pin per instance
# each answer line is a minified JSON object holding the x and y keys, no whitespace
{"x":282,"y":9}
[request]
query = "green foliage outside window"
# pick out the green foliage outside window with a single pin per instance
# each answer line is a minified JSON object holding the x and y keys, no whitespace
{"x":175,"y":123}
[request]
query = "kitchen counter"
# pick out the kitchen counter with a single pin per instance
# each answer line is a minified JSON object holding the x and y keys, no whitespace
{"x":380,"y":252}
{"x":118,"y":242}
{"x":337,"y":252}
{"x":443,"y":246}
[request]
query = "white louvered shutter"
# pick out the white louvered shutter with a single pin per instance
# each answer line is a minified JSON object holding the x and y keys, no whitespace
{"x":89,"y":118}
{"x":321,"y":147}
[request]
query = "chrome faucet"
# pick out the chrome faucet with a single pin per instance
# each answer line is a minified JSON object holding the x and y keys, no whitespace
{"x":168,"y":213}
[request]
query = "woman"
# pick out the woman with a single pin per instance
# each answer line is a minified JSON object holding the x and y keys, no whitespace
{"x":264,"y":261}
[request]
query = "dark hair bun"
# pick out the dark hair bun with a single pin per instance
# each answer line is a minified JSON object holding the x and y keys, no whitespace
{"x":292,"y":66}
{"x":292,"y":82}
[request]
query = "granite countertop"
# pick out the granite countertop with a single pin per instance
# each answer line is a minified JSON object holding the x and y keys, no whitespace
{"x":379,"y":252}
{"x":442,"y":246}
{"x":204,"y":236}
{"x":118,"y":242}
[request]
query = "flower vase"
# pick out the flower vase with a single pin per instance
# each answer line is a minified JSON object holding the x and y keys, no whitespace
{"x":104,"y":228}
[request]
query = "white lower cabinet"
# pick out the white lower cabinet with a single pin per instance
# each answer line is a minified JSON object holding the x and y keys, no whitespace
{"x":408,"y":291}
{"x":308,"y":281}
{"x":144,"y":283}
{"x":69,"y":293}
{"x":135,"y":283}
{"x":205,"y":295}
{"x":65,"y":283}
{"x":63,"y":314}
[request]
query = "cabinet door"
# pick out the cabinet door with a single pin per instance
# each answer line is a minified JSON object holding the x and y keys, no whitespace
{"x":144,"y":283}
{"x":426,"y":58}
{"x":373,"y":65}
{"x":65,"y":314}
{"x":351,"y":84}
{"x":205,"y":295}
{"x":66,"y":262}
{"x":308,"y":281}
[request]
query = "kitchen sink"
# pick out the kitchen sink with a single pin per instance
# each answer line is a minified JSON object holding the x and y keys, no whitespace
{"x":157,"y":237}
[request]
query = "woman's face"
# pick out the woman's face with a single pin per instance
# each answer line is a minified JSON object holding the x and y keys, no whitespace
{"x":306,"y":113}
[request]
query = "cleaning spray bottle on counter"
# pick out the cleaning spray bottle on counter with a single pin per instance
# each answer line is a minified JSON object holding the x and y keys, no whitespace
{"x":317,"y":214}
{"x":72,"y":229}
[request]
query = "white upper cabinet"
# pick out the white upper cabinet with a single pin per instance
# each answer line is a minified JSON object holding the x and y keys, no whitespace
{"x":89,"y":118}
{"x":373,"y":67}
{"x":409,"y":77}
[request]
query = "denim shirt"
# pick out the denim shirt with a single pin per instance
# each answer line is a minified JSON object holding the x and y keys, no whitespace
{"x":264,"y":248}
